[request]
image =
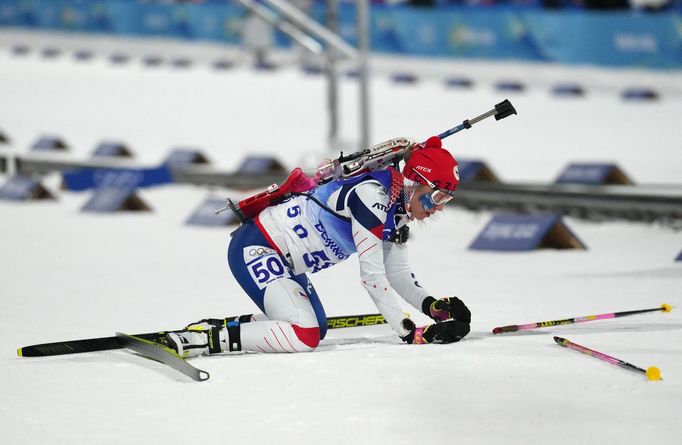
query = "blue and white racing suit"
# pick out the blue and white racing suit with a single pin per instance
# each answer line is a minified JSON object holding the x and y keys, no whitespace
{"x":271,"y":255}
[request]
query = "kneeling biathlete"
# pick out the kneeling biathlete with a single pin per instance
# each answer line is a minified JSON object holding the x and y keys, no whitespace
{"x":368,"y":214}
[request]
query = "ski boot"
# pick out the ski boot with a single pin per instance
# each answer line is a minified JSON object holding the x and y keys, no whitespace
{"x":208,"y":336}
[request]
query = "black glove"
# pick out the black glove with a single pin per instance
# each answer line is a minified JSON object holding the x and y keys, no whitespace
{"x":446,"y":308}
{"x":441,"y":332}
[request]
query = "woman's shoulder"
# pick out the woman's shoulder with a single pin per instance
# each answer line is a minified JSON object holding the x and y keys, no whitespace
{"x":369,"y":194}
{"x":370,"y":185}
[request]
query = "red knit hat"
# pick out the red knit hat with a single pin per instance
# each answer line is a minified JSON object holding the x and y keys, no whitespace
{"x":435,"y":163}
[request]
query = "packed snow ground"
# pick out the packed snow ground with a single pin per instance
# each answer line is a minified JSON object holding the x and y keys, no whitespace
{"x":68,"y":275}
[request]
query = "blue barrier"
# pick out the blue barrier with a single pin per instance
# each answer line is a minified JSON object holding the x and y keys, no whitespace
{"x":119,"y":59}
{"x":152,"y":61}
{"x":314,"y":70}
{"x":264,"y":65}
{"x":475,"y":170}
{"x":593,"y":174}
{"x":181,"y":62}
{"x":205,"y":215}
{"x":679,"y":257}
{"x":404,"y":78}
{"x":510,"y":86}
{"x":20,"y":50}
{"x":184,"y":157}
{"x":50,"y":52}
{"x":628,"y":38}
{"x":112,"y":149}
{"x":83,"y":55}
{"x":49,"y":143}
{"x":510,"y":232}
{"x":22,"y":188}
{"x":640,"y":94}
{"x":259,"y":165}
{"x":222,"y":64}
{"x":458,"y":82}
{"x":122,"y":178}
{"x":568,"y":90}
{"x":114,"y":199}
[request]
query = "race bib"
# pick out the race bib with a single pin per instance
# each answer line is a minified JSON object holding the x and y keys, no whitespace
{"x":264,"y":265}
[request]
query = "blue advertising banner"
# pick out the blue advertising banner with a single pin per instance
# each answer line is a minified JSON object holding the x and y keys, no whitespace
{"x":614,"y":38}
{"x":220,"y":23}
{"x":148,"y":19}
{"x":60,"y":14}
{"x":465,"y":33}
{"x":46,"y":13}
{"x":572,"y":36}
{"x":9,"y":13}
{"x":56,"y":14}
{"x":383,"y":26}
{"x":120,"y":178}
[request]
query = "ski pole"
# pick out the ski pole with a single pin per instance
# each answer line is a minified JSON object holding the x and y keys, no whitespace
{"x":501,"y":110}
{"x":543,"y":324}
{"x":652,"y":372}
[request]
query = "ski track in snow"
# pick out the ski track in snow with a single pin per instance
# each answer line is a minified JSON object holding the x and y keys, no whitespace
{"x":67,"y":275}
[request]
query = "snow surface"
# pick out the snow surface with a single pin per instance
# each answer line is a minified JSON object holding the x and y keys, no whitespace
{"x":68,"y":275}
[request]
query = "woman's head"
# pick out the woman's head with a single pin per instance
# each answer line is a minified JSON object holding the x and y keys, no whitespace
{"x":435,"y":171}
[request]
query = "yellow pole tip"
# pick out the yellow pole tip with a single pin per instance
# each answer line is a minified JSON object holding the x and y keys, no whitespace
{"x":19,"y":353}
{"x":666,"y":307}
{"x":653,"y":373}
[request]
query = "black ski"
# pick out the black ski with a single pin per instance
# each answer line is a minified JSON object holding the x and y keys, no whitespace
{"x":83,"y":345}
{"x":108,"y":343}
{"x":163,"y":354}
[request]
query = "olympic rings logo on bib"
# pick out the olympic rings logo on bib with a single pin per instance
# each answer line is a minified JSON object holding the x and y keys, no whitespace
{"x":257,"y":251}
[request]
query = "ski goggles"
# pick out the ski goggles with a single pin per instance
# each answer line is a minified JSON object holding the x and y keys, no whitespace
{"x":436,"y":197}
